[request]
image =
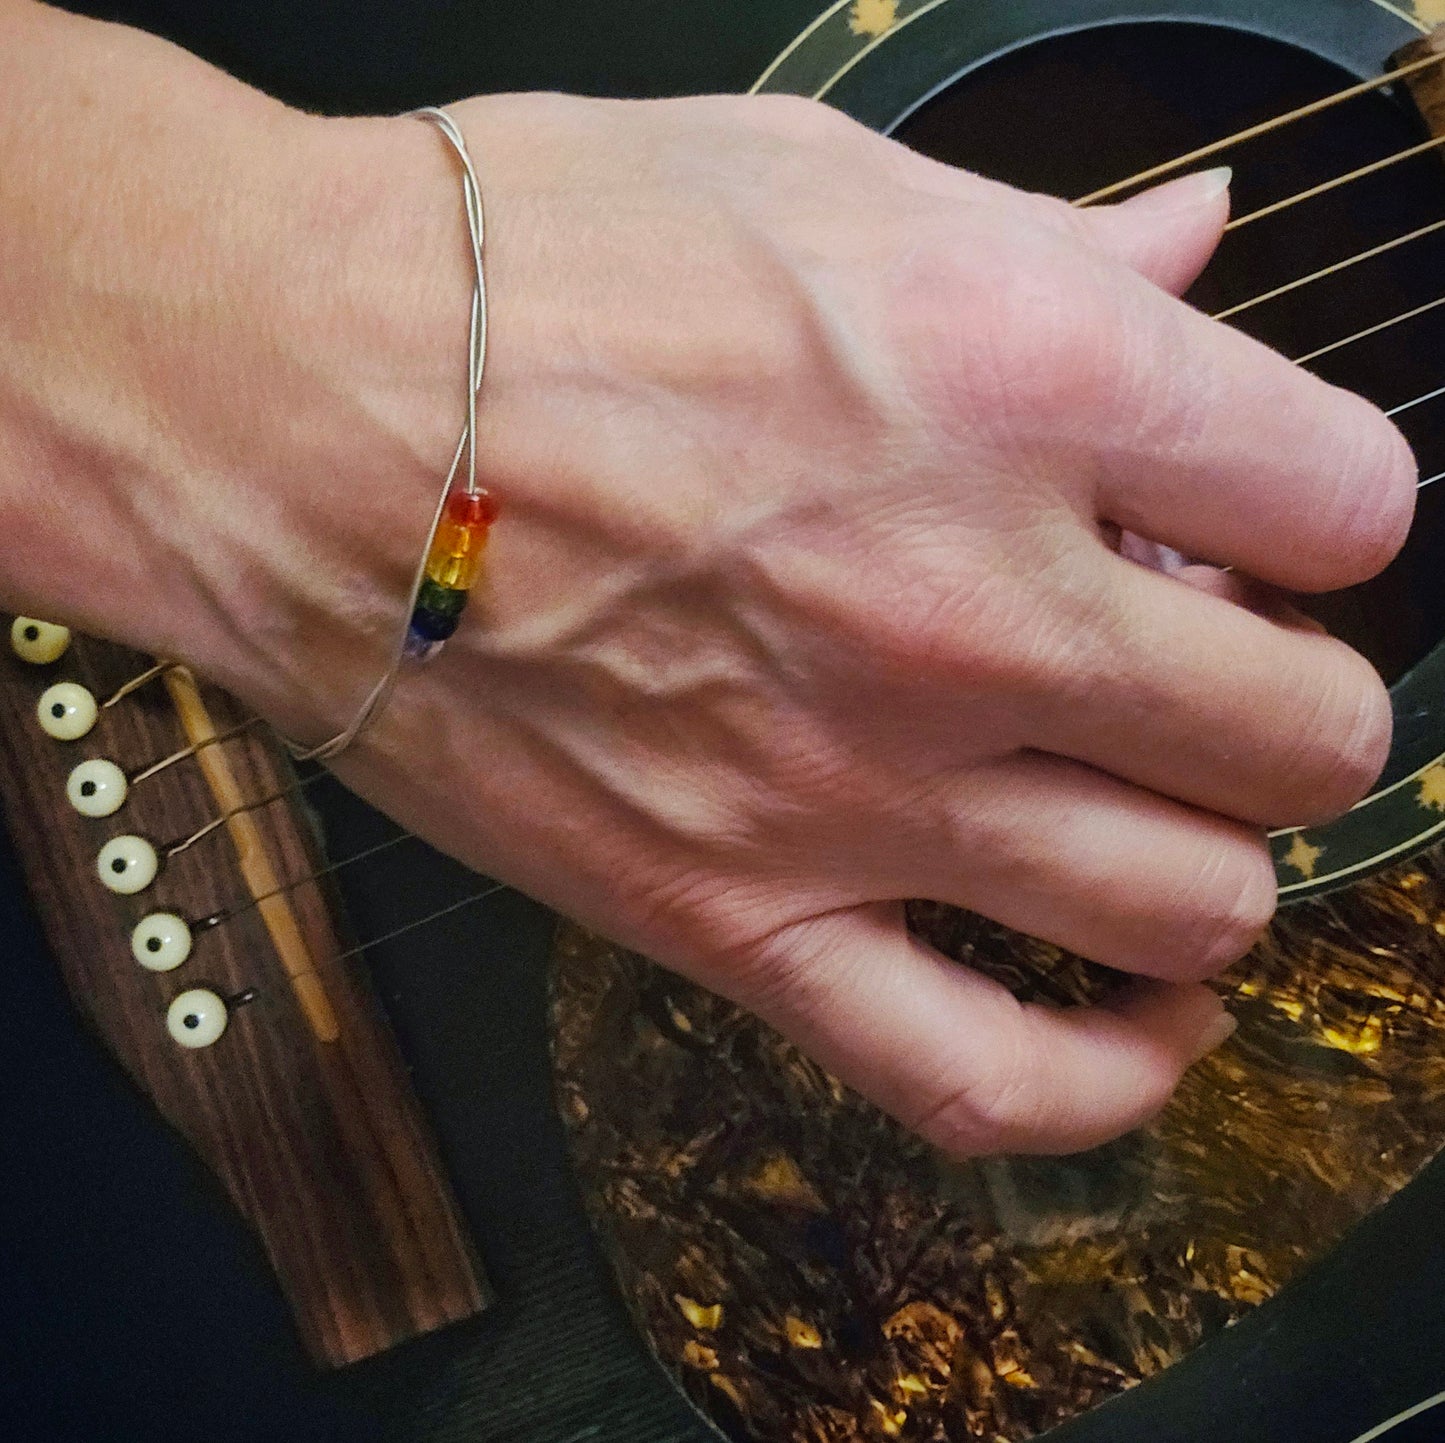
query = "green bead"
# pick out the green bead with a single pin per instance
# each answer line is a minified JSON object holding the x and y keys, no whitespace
{"x":440,"y":600}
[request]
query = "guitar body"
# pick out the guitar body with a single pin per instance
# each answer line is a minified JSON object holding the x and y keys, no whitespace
{"x":778,"y":1261}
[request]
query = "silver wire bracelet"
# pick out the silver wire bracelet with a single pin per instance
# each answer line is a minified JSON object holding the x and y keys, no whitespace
{"x":467,"y":445}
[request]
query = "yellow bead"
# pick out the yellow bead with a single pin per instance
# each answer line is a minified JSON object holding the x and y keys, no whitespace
{"x":456,"y":555}
{"x":456,"y":573}
{"x":38,"y":642}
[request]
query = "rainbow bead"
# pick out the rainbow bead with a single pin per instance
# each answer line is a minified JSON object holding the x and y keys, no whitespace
{"x":452,"y":566}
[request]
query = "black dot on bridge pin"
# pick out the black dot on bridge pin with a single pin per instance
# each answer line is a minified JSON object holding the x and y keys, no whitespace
{"x":32,"y":633}
{"x":153,"y":944}
{"x":58,"y":710}
{"x":87,"y":789}
{"x":191,"y":1020}
{"x":118,"y":865}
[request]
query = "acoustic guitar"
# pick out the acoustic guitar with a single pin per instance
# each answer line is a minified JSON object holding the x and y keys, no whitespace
{"x":781,"y":1262}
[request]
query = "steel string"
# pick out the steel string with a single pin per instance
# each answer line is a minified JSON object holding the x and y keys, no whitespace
{"x":1303,"y":112}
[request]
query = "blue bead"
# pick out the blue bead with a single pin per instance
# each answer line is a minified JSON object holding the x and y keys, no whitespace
{"x":433,"y":625}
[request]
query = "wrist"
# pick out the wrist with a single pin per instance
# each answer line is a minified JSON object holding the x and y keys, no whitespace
{"x":380,"y":304}
{"x":201,"y":327}
{"x":232,"y":345}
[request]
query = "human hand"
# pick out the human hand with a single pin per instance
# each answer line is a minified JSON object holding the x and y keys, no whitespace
{"x":804,"y":599}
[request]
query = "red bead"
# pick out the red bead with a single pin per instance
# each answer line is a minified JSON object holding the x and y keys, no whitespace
{"x":472,"y":509}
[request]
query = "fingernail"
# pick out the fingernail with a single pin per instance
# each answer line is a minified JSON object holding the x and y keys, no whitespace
{"x":1216,"y":1034}
{"x":1202,"y":188}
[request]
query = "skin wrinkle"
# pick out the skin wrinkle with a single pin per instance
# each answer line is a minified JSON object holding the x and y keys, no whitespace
{"x":1220,"y":934}
{"x":977,"y":1116}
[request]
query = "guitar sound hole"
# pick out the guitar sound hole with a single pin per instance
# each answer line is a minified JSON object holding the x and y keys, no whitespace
{"x":1108,"y":102}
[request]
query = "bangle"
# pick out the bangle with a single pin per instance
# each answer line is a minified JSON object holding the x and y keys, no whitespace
{"x":456,"y":543}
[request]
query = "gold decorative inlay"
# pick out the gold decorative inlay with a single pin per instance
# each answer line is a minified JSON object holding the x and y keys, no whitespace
{"x":873,"y":17}
{"x":1432,"y":780}
{"x":705,"y":1318}
{"x":1302,"y":856}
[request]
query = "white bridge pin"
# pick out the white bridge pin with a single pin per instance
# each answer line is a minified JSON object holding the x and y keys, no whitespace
{"x":161,"y":941}
{"x":97,"y":788}
{"x":66,"y":711}
{"x":38,"y":642}
{"x":127,"y":864}
{"x":196,"y":1018}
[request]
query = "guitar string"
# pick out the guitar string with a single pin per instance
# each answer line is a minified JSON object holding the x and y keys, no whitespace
{"x":1359,"y":173}
{"x":1275,"y":207}
{"x":237,"y":909}
{"x":228,"y":913}
{"x":1418,"y":401}
{"x":189,"y":751}
{"x":1253,"y":132}
{"x":1330,"y":270}
{"x":292,"y":789}
{"x":468,"y":901}
{"x":135,"y":683}
{"x":359,"y":950}
{"x":1368,"y":331}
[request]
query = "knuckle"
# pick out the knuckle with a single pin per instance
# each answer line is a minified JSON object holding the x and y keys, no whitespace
{"x":1376,"y":496}
{"x":1006,"y":333}
{"x":985,"y":1110}
{"x":776,"y":974}
{"x":1223,"y":911}
{"x":774,"y":985}
{"x":1029,"y":623}
{"x":1342,"y":748}
{"x":1058,"y":215}
{"x":1047,"y":354}
{"x":698,"y":920}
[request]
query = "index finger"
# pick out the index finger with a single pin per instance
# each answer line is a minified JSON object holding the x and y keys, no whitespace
{"x":1227,"y":451}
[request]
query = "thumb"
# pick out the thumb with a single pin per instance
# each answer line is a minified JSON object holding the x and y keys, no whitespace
{"x":1169,"y":233}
